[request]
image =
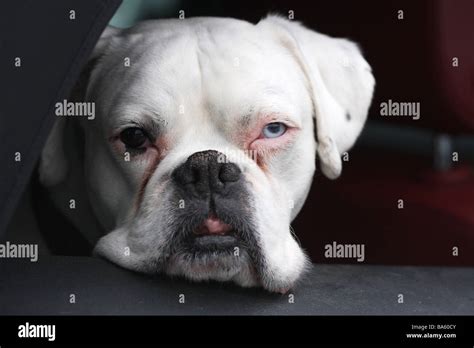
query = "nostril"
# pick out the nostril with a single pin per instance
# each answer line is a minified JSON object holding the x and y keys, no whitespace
{"x":203,"y":174}
{"x":229,"y":172}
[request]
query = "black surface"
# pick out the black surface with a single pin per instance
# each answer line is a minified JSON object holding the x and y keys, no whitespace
{"x":43,"y":288}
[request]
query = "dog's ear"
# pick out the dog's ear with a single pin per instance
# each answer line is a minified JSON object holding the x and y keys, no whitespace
{"x":340,"y":82}
{"x":53,"y":165}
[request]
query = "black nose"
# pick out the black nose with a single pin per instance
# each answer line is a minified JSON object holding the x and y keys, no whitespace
{"x":206,"y":172}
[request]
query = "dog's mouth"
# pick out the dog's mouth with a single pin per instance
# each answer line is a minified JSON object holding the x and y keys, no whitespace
{"x":213,"y":235}
{"x":212,"y":242}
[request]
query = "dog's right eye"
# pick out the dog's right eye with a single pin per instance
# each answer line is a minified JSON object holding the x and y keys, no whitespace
{"x":133,"y":137}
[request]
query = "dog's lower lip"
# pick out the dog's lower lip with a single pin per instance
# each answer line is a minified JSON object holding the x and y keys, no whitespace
{"x":213,"y":235}
{"x":212,"y":242}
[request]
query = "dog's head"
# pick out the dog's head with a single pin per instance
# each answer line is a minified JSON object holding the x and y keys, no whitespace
{"x":203,"y":149}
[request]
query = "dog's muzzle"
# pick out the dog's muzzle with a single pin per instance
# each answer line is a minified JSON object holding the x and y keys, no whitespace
{"x":214,"y":204}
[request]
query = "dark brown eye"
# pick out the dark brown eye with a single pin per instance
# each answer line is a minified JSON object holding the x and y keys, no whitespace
{"x":133,"y":137}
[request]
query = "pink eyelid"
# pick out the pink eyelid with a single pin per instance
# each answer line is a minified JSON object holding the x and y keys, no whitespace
{"x":257,"y":139}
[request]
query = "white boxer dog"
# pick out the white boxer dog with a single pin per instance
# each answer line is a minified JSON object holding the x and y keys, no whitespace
{"x":204,"y":143}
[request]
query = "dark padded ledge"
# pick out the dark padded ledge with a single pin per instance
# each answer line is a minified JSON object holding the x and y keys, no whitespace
{"x":43,"y":288}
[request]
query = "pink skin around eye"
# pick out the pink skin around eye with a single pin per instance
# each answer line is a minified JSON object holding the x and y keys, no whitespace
{"x":267,"y":146}
{"x":155,"y":151}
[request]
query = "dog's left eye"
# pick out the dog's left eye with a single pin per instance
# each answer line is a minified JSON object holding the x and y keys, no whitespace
{"x":133,"y":137}
{"x":274,"y":130}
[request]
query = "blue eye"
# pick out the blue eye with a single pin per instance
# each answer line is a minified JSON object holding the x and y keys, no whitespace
{"x":274,"y":130}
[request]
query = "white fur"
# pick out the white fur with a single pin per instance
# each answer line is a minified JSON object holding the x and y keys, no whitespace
{"x":218,"y":70}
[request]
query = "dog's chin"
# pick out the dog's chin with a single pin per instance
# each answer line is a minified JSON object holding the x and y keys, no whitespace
{"x":223,"y":264}
{"x":205,"y":257}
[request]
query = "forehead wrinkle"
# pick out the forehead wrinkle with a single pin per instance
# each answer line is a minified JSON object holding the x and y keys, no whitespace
{"x":138,"y":114}
{"x":199,"y":54}
{"x":254,"y":115}
{"x":127,"y":86}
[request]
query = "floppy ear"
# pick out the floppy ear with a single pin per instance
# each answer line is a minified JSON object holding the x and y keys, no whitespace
{"x":340,"y":83}
{"x":53,"y":165}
